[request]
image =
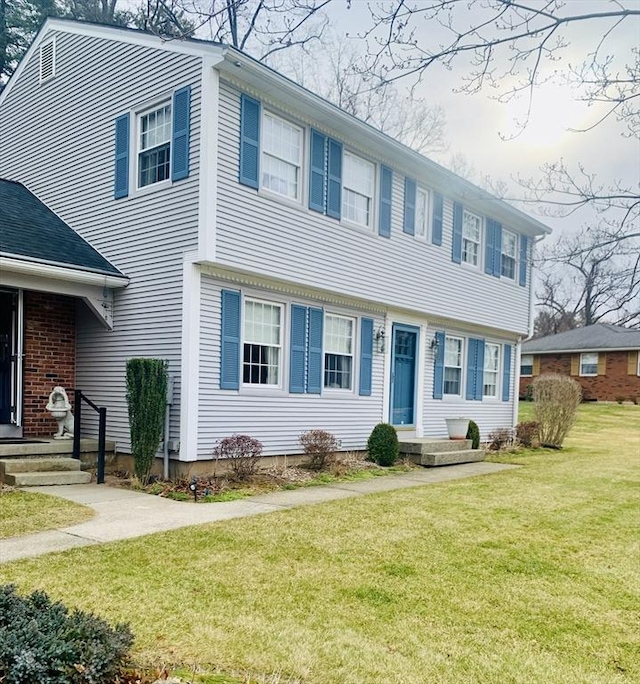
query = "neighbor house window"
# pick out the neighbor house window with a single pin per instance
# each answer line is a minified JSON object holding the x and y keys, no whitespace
{"x":491,"y":367}
{"x":526,"y":365}
{"x":281,"y":161}
{"x":338,"y":352}
{"x":452,"y":365}
{"x":471,"y":231}
{"x":589,"y":364}
{"x":509,"y":247}
{"x":262,"y":343}
{"x":358,"y":178}
{"x":422,"y":213}
{"x":154,"y":145}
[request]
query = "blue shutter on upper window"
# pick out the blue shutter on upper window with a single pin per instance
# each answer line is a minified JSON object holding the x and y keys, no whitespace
{"x":121,"y":171}
{"x":438,"y":366}
{"x":386,"y":185}
{"x":489,"y":251}
{"x":230,"y":340}
{"x":366,"y":356}
{"x":314,"y":358}
{"x":249,"y":141}
{"x":456,"y":241}
{"x":298,"y":351}
{"x":334,"y":181}
{"x":506,"y":373}
{"x":497,"y":250}
{"x":317,"y":173}
{"x":438,"y":211}
{"x":524,"y":248}
{"x":409,"y":224}
{"x":180,"y":138}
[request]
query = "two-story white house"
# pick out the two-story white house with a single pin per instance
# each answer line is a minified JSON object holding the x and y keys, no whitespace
{"x":297,"y":268}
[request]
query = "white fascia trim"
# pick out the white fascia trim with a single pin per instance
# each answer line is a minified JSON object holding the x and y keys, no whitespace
{"x":31,"y":268}
{"x":122,"y":35}
{"x":190,"y":359}
{"x":208,"y":171}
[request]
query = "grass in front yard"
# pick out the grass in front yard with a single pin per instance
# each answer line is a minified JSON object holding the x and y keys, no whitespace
{"x":26,"y":512}
{"x":529,"y":575}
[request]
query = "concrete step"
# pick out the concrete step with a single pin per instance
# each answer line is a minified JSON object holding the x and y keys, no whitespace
{"x":53,"y":477}
{"x":442,"y":458}
{"x":31,"y":465}
{"x":430,"y":445}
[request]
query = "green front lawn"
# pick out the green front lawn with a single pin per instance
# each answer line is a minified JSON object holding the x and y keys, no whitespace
{"x":529,"y":575}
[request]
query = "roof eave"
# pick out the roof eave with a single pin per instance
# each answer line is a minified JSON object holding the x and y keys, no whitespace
{"x":588,"y":350}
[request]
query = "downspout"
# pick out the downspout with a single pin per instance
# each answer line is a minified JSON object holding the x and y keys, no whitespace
{"x":167,"y":416}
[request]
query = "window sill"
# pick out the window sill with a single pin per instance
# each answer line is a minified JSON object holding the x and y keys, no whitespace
{"x":281,"y":199}
{"x":150,"y":189}
{"x":368,"y":230}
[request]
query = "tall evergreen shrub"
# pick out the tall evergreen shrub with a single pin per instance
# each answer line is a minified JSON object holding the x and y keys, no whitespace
{"x":382,"y":445}
{"x":146,"y":399}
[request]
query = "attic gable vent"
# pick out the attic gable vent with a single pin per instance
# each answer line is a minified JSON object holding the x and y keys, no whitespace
{"x":47,"y":61}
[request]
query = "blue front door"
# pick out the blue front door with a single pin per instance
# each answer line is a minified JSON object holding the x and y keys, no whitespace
{"x":403,"y":375}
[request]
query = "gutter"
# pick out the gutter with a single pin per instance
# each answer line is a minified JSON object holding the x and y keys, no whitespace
{"x":58,"y":272}
{"x":531,"y":316}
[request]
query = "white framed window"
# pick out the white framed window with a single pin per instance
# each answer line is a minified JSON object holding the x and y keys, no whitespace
{"x":422,"y":214}
{"x":47,"y":60}
{"x":154,"y":144}
{"x":471,"y":238}
{"x":339,"y":334}
{"x":358,"y":182}
{"x":262,"y":343}
{"x":589,"y":363}
{"x":526,"y":365}
{"x":452,"y":365}
{"x":509,"y":251}
{"x":491,"y":369}
{"x":281,"y":156}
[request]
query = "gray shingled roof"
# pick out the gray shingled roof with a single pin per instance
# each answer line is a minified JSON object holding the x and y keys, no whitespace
{"x":30,"y":230}
{"x":591,"y":337}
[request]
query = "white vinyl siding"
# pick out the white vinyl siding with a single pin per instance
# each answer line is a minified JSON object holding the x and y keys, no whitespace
{"x":338,"y":352}
{"x":491,"y":370}
{"x":471,"y":238}
{"x":526,"y":365}
{"x":453,"y":347}
{"x":358,"y":179}
{"x":589,"y":363}
{"x":281,"y":156}
{"x":509,"y":255}
{"x":262,"y":343}
{"x":154,"y":145}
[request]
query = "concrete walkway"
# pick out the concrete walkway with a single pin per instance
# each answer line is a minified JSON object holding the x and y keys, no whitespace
{"x":124,"y":514}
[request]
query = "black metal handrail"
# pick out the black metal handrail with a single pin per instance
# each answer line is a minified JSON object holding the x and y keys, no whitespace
{"x":102,"y":429}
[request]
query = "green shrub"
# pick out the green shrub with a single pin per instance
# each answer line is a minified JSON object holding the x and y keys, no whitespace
{"x":556,"y":400}
{"x":42,"y":642}
{"x":473,"y":433}
{"x":383,"y":445}
{"x":243,"y":454}
{"x":320,"y":446}
{"x":146,"y":399}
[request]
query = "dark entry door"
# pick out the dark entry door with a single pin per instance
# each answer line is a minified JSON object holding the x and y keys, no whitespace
{"x":8,"y":308}
{"x":403,"y":378}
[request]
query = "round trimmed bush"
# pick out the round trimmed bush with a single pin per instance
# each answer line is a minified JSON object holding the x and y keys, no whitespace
{"x":473,"y":433}
{"x":382,"y":445}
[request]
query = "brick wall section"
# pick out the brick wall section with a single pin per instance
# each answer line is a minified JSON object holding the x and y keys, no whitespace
{"x":49,"y":356}
{"x":616,"y":383}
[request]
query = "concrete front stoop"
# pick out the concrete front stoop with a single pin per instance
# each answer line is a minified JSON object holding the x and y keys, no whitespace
{"x":33,"y":472}
{"x":439,"y":451}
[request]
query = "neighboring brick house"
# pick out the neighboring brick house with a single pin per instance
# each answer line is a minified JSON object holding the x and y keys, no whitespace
{"x":603,"y":358}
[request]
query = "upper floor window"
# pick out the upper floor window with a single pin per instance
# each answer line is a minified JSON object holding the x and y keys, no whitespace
{"x":491,"y":368}
{"x":526,"y":364}
{"x":422,"y":213}
{"x":357,"y":189}
{"x":262,"y":343}
{"x":589,"y":363}
{"x":508,"y":257}
{"x":471,"y":235}
{"x":338,"y":352}
{"x":452,"y":365}
{"x":154,"y":145}
{"x":281,"y":158}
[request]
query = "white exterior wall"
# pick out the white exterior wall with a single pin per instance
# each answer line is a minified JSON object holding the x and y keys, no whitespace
{"x":58,"y":139}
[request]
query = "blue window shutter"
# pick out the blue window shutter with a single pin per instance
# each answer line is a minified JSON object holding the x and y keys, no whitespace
{"x":317,"y":161}
{"x":489,"y":247}
{"x":524,"y":248}
{"x":479,"y":370}
{"x":366,"y":356}
{"x":180,"y":142}
{"x":249,"y":141}
{"x":438,"y":366}
{"x":315,"y":365}
{"x":409,"y":225}
{"x":298,"y":351}
{"x":334,"y":182}
{"x":497,"y":254}
{"x":121,"y":177}
{"x":436,"y":224}
{"x":456,"y":242}
{"x":472,"y":365}
{"x":386,"y":184}
{"x":230,"y":336}
{"x":506,"y":373}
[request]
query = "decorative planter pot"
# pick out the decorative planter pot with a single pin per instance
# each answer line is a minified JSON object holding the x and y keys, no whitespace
{"x":457,"y":427}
